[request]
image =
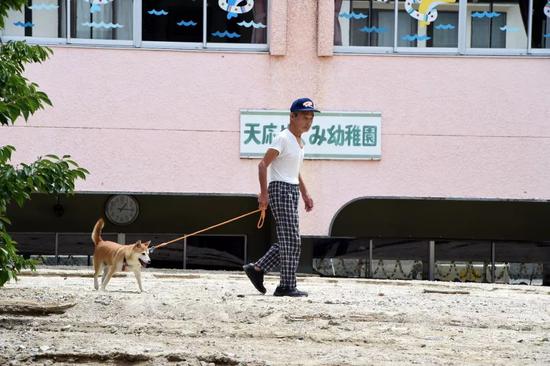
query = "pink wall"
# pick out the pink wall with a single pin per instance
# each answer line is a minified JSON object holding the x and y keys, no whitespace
{"x":168,"y":121}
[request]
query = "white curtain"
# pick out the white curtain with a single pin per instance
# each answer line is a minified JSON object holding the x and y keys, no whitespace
{"x":116,"y":12}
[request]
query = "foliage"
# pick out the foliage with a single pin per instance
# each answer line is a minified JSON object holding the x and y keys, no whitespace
{"x":18,"y":96}
{"x":49,"y":174}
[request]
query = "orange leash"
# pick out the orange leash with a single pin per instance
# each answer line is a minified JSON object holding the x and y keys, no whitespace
{"x":259,"y":225}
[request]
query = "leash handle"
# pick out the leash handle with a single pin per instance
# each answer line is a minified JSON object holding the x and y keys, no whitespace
{"x":261,"y":219}
{"x":259,"y":226}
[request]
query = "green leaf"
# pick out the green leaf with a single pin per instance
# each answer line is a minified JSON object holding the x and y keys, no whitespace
{"x":20,"y":97}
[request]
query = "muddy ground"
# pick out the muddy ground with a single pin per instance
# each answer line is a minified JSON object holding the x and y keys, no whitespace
{"x":217,"y":318}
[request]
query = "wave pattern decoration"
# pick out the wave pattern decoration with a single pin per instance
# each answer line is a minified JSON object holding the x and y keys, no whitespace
{"x":373,"y":30}
{"x":102,"y":25}
{"x":226,"y":34}
{"x":485,"y":14}
{"x":23,"y":25}
{"x":415,"y":37}
{"x":157,"y":12}
{"x":251,"y":24}
{"x":353,"y":15}
{"x":444,"y":27}
{"x":189,"y":23}
{"x":43,"y":6}
{"x":509,"y":29}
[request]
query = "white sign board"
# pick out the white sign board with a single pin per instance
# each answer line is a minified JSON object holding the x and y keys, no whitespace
{"x":333,"y":135}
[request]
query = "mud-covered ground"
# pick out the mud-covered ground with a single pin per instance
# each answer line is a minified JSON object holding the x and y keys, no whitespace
{"x":217,"y":318}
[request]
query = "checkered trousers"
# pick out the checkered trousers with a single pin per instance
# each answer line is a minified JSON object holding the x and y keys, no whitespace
{"x":283,"y":201}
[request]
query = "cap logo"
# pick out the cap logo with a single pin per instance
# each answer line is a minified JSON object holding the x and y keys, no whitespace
{"x":308,"y":104}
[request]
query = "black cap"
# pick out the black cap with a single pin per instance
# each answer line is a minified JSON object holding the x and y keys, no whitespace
{"x":303,"y":105}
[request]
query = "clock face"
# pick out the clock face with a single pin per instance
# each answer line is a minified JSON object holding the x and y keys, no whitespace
{"x":121,"y":209}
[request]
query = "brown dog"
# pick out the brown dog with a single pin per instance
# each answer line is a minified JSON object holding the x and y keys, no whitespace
{"x":112,"y":257}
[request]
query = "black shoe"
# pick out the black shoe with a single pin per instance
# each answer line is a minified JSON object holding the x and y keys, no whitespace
{"x":256,"y":277}
{"x":283,"y":291}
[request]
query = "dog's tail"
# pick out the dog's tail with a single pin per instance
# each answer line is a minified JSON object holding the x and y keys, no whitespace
{"x":96,"y":234}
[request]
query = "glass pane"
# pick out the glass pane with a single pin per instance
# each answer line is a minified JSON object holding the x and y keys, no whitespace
{"x":169,"y":256}
{"x":523,"y":263}
{"x":77,"y":249}
{"x":497,"y":24}
{"x":233,"y":21}
{"x":400,"y":259}
{"x":540,"y":34}
{"x":444,"y":29}
{"x":340,"y":257}
{"x":102,"y":19}
{"x":34,"y":243}
{"x":172,"y":21}
{"x":463,"y":261}
{"x":41,"y":18}
{"x":363,"y":23}
{"x":79,"y":243}
{"x":428,"y":27}
{"x":215,"y":252}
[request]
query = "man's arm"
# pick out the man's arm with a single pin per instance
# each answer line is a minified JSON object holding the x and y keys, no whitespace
{"x":268,"y":158}
{"x":305,"y":195}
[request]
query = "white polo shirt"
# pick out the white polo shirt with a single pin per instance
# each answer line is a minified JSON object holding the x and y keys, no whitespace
{"x":286,"y":166}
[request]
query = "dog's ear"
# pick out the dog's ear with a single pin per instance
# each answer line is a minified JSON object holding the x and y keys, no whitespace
{"x":147,"y":243}
{"x":138,"y":242}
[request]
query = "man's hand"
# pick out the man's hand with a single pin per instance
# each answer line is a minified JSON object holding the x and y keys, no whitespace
{"x":308,"y":202}
{"x":263,"y":201}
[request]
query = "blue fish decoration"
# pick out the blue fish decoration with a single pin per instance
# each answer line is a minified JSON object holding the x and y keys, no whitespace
{"x":232,"y":3}
{"x":95,"y":8}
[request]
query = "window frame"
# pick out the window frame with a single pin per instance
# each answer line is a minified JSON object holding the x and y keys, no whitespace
{"x":138,"y":42}
{"x":461,"y":50}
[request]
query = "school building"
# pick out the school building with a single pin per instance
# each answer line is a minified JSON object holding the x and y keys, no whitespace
{"x":430,"y":159}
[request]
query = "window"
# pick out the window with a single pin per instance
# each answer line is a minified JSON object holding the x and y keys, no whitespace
{"x":160,"y":23}
{"x":364,"y":23}
{"x":372,"y":258}
{"x":101,"y":19}
{"x":463,"y":261}
{"x":424,"y":31}
{"x":450,"y":26}
{"x":485,"y":32}
{"x":44,"y":19}
{"x":540,"y":33}
{"x":227,"y":252}
{"x":498,"y":24}
{"x":172,"y":21}
{"x":248,"y":27}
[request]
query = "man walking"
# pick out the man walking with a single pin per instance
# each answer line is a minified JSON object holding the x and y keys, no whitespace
{"x":284,"y":159}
